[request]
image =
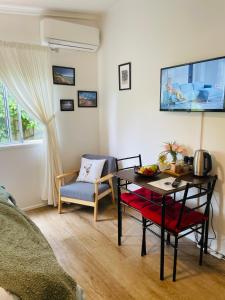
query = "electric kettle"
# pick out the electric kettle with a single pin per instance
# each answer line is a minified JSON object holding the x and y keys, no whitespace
{"x":202,"y":163}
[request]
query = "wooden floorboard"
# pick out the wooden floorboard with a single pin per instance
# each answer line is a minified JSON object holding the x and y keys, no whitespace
{"x":88,"y":251}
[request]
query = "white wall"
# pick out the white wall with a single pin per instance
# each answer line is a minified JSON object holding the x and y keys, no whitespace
{"x":78,"y":130}
{"x":20,"y":173}
{"x":152,"y":34}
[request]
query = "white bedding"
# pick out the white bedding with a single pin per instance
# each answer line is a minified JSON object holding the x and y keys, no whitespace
{"x":4,"y":295}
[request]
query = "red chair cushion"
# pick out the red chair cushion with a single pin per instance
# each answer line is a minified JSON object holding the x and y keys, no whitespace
{"x":189,"y":217}
{"x":128,"y":197}
{"x":139,"y":203}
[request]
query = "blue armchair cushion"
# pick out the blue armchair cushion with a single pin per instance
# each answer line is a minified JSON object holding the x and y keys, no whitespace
{"x":186,"y":87}
{"x":197,"y":85}
{"x":188,"y":92}
{"x":176,"y":86}
{"x":82,"y":190}
{"x":211,"y":94}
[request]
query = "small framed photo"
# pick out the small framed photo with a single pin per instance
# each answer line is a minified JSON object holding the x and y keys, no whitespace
{"x":67,"y":104}
{"x":63,"y":75}
{"x":124,"y":76}
{"x":87,"y":99}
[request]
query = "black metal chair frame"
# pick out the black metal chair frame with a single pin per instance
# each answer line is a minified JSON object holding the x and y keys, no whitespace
{"x":126,"y":205}
{"x":202,"y":228}
{"x":125,"y":187}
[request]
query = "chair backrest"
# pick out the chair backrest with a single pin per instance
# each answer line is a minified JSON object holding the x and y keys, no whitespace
{"x":205,"y":192}
{"x":120,"y":161}
{"x":109,"y":166}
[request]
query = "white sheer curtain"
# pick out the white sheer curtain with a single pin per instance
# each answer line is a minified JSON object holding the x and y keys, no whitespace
{"x":26,"y":71}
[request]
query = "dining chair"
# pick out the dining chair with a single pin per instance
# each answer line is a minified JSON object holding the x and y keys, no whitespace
{"x":86,"y":193}
{"x":182,"y":217}
{"x":135,"y":199}
{"x":128,"y":198}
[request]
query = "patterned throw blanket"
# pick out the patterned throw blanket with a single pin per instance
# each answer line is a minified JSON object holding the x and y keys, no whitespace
{"x":28,"y":267}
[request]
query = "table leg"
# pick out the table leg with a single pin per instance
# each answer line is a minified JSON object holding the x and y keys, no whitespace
{"x":119,"y":212}
{"x":168,"y":238}
{"x":162,"y":240}
{"x":205,"y":237}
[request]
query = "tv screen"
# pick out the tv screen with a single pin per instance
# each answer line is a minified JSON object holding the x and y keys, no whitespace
{"x":197,"y":86}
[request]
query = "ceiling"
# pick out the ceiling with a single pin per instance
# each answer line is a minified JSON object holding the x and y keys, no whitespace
{"x":83,"y":6}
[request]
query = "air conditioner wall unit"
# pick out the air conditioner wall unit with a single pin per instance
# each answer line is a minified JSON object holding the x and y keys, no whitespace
{"x":61,"y":34}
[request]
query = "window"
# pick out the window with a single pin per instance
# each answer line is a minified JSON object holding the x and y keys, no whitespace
{"x":16,"y":125}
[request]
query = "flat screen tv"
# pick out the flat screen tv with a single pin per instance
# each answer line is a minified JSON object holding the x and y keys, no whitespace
{"x":196,"y":86}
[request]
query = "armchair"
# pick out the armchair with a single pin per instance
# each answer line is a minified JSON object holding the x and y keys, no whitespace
{"x":85,"y":193}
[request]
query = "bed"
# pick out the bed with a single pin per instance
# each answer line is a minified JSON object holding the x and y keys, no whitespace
{"x":5,"y":295}
{"x":28,"y":266}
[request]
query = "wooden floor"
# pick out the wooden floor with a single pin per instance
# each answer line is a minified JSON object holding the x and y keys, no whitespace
{"x":88,"y":251}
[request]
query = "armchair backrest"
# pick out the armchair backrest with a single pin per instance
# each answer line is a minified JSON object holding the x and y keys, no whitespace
{"x":109,"y":166}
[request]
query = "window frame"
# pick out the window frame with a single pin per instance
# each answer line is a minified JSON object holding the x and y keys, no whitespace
{"x":21,"y":141}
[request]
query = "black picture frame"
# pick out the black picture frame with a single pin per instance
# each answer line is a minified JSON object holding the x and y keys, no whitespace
{"x":191,"y":109}
{"x":124,"y":72}
{"x":87,"y":98}
{"x":63,"y":75}
{"x":66,"y":104}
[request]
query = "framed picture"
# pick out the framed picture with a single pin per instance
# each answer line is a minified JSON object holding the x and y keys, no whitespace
{"x":87,"y":99}
{"x":124,"y":76}
{"x":63,"y":75}
{"x":66,"y":104}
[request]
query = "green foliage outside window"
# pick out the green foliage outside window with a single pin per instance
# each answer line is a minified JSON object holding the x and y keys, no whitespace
{"x":29,"y":125}
{"x":30,"y":128}
{"x":3,"y":126}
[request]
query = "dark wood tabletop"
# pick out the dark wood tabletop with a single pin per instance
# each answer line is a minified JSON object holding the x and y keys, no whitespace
{"x":145,"y":182}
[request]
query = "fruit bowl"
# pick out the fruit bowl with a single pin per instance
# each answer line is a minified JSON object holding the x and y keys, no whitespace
{"x":147,"y":171}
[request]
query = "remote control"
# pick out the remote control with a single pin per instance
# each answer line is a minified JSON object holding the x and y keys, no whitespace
{"x":176,"y":182}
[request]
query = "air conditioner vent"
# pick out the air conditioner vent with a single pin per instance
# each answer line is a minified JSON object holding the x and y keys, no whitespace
{"x":61,"y":34}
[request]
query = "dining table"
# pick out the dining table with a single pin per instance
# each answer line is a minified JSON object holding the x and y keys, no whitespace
{"x":129,"y":176}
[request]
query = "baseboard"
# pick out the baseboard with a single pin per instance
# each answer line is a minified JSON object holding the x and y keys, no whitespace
{"x":216,"y":254}
{"x":42,"y":204}
{"x":210,"y":250}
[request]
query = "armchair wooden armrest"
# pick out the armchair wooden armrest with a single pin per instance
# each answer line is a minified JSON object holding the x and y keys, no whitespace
{"x":67,"y":174}
{"x":104,"y":178}
{"x":98,"y":196}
